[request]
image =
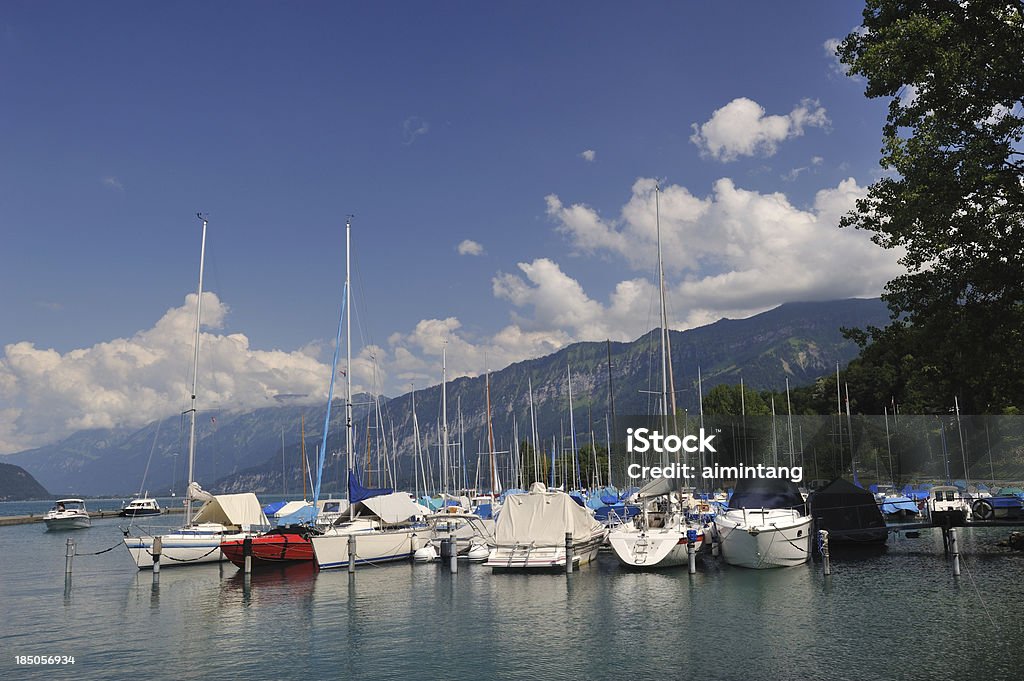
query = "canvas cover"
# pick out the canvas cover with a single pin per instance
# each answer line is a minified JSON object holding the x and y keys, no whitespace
{"x":241,"y":510}
{"x":848,"y":512}
{"x":542,"y":519}
{"x":766,"y":493}
{"x":392,"y":508}
{"x":659,"y":487}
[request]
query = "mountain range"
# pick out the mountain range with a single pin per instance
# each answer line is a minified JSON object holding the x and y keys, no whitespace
{"x":259,"y":450}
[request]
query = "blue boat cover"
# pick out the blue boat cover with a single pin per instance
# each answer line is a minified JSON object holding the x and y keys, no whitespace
{"x":893,"y":505}
{"x":273,"y":507}
{"x":621,"y":511}
{"x":357,"y":492}
{"x":304,"y":516}
{"x":484,"y":511}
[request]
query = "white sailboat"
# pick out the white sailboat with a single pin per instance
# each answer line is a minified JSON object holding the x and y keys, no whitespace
{"x":222,"y":517}
{"x":661,"y":535}
{"x":385,"y":524}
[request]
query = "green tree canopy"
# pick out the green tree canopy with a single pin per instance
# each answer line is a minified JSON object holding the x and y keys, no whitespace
{"x":953,"y":198}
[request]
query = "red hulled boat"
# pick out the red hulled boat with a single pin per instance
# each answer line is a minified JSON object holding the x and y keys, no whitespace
{"x":289,"y":544}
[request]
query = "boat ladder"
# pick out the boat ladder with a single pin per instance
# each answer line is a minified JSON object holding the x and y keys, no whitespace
{"x":640,"y":547}
{"x":520,"y":552}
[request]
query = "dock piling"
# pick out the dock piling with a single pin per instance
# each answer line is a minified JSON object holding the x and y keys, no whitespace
{"x":158,"y":547}
{"x":453,"y":559}
{"x":956,"y":551}
{"x":69,"y":554}
{"x":247,"y":552}
{"x":352,"y":554}
{"x":691,"y":550}
{"x":826,"y":560}
{"x":568,"y":553}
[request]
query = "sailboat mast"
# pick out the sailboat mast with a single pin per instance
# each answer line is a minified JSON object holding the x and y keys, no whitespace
{"x":664,"y":312}
{"x":444,"y":416}
{"x":490,"y":441}
{"x":195,"y":378}
{"x":348,"y":353}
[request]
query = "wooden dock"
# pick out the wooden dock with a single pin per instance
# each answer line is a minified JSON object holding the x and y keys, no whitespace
{"x":33,"y":518}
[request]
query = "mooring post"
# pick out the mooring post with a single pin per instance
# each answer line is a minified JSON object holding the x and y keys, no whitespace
{"x":352,"y":554}
{"x":568,"y":553}
{"x":69,"y":555}
{"x":945,"y":540}
{"x":453,"y":560}
{"x":826,"y":560}
{"x":691,"y":550}
{"x":247,"y":552}
{"x":158,"y":548}
{"x":956,"y":551}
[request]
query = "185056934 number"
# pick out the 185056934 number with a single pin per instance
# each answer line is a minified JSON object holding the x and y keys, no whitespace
{"x":43,"y":659}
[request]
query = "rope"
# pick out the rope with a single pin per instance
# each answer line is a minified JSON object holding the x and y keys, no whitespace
{"x":977,"y":592}
{"x":98,"y":552}
{"x":186,"y":560}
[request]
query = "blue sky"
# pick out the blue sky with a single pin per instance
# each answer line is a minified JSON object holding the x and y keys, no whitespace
{"x":534,"y":130}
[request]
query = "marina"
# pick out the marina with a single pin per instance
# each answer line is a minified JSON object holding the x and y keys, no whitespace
{"x":407,"y":618}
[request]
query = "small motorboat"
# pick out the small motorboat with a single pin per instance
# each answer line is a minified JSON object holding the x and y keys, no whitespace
{"x":67,"y":514}
{"x":142,"y":506}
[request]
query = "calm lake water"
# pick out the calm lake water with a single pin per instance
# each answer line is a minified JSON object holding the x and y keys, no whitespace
{"x":900,"y":614}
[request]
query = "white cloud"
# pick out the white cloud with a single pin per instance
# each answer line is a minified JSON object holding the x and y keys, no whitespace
{"x":741,"y":128}
{"x":469,"y":247}
{"x":589,"y":155}
{"x":413,"y":128}
{"x":113,"y":183}
{"x":735,"y":252}
{"x":46,"y":395}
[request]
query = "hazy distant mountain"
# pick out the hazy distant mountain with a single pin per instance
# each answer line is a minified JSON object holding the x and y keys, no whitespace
{"x":17,"y":484}
{"x":259,"y":450}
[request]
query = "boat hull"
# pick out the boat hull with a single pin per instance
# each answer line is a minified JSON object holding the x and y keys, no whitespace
{"x":138,"y":513}
{"x":331,"y":550}
{"x":653,"y":548}
{"x":181,"y":548}
{"x":77,"y":522}
{"x":270,"y":549}
{"x":761,"y":539}
{"x":523,"y":557}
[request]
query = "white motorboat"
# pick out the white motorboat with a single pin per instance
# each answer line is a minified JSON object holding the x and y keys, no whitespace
{"x":765,"y":526}
{"x":67,"y":514}
{"x":532,"y":529}
{"x":948,"y":506}
{"x":143,"y":506}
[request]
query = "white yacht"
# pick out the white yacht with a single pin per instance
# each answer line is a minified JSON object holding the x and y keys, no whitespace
{"x":661,"y":535}
{"x":143,"y":506}
{"x":765,"y":526}
{"x":67,"y":514}
{"x":386,"y":528}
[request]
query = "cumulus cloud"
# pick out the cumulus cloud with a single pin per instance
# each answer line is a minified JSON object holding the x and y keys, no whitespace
{"x":129,"y":382}
{"x":735,"y":252}
{"x":469,"y":247}
{"x":589,"y":155}
{"x":741,"y":128}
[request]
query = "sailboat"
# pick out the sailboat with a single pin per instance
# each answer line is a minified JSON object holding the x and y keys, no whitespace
{"x":385,"y":524}
{"x":222,"y":516}
{"x":661,"y":535}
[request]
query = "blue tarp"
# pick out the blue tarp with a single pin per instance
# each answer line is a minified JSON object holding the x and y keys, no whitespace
{"x":484,"y":511}
{"x":893,"y":505}
{"x":621,"y":511}
{"x":578,"y":498}
{"x":357,"y":492}
{"x":273,"y":507}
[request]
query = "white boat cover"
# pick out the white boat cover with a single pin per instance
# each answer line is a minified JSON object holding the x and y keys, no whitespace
{"x":241,"y":510}
{"x":197,"y":493}
{"x":289,"y":508}
{"x":392,"y":508}
{"x":659,"y":487}
{"x":542,"y":519}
